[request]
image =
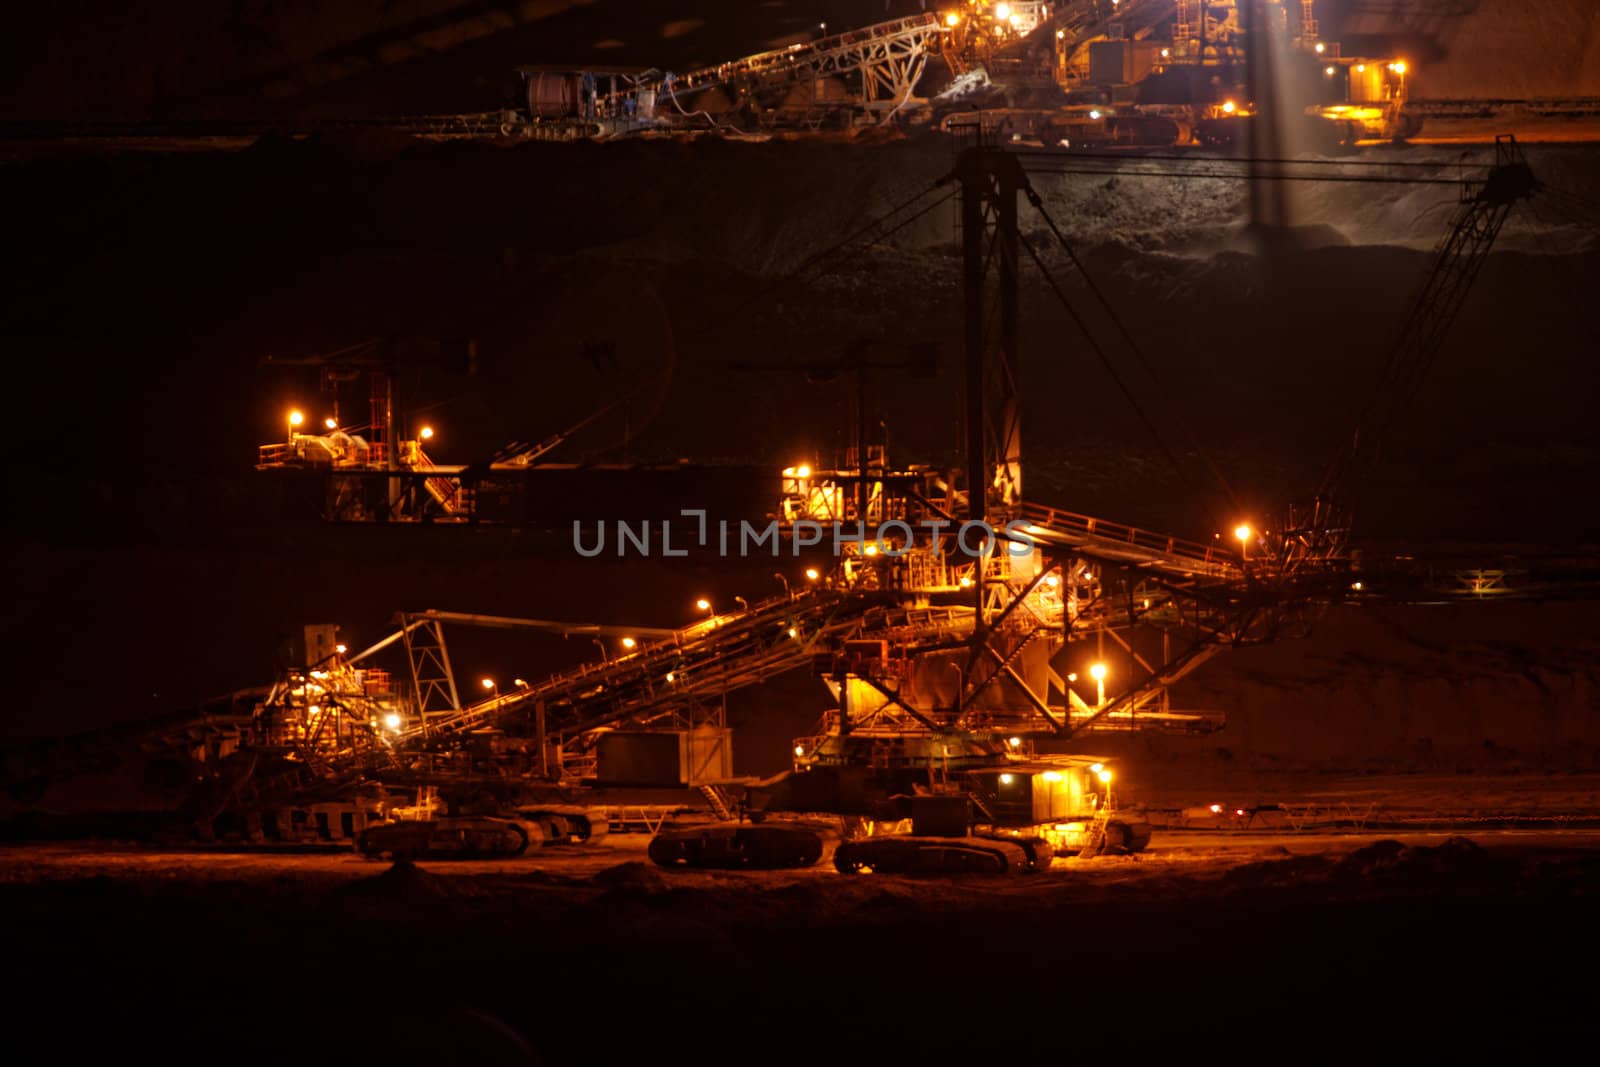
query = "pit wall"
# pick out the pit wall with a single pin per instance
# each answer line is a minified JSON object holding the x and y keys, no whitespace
{"x":1481,"y":49}
{"x":1461,"y":689}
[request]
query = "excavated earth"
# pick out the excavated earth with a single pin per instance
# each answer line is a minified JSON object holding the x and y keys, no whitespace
{"x":1373,"y":946}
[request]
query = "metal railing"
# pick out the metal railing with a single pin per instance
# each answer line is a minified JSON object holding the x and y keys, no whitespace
{"x":1158,"y":547}
{"x":836,"y":54}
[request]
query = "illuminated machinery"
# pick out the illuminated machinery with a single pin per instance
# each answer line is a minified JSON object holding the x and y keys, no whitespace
{"x":969,"y":638}
{"x":1191,"y":62}
{"x":371,"y":470}
{"x":367,"y":481}
{"x":868,"y":74}
{"x":1063,"y":623}
{"x":958,"y":661}
{"x":987,"y":34}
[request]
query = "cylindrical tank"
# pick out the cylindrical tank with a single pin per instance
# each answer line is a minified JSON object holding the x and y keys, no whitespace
{"x":554,"y":95}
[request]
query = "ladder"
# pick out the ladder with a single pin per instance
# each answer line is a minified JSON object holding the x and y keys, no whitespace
{"x":721,"y":804}
{"x":1094,"y":835}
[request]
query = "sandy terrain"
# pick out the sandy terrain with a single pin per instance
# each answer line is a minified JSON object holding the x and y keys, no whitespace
{"x":1208,"y":938}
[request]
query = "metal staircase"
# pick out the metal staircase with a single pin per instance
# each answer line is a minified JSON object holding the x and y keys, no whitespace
{"x":1119,"y":543}
{"x":721,"y":803}
{"x":889,"y":56}
{"x":1094,"y":834}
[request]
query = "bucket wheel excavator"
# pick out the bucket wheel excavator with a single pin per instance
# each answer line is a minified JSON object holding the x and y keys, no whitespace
{"x":969,"y":638}
{"x":958,"y":726}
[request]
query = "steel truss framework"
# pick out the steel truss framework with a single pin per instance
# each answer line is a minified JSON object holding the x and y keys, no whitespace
{"x":890,"y":57}
{"x":926,"y":649}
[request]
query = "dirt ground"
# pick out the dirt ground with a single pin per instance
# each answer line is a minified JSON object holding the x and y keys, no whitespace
{"x":1207,"y":939}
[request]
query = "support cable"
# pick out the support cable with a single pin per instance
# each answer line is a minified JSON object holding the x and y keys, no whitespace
{"x":1105,"y":360}
{"x":1127,"y":338}
{"x":1123,"y":172}
{"x":799,"y":273}
{"x":1247,"y":161}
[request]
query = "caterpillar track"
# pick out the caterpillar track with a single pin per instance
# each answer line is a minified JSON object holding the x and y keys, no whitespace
{"x":735,"y":846}
{"x":943,"y":855}
{"x":462,"y":838}
{"x":567,"y":824}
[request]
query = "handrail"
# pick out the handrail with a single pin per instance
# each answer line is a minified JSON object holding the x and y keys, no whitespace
{"x":1057,"y":520}
{"x":641,"y":660}
{"x":812,"y":53}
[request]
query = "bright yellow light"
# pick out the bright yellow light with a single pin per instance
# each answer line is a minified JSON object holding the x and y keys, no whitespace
{"x":296,"y":418}
{"x":1229,"y":107}
{"x":426,"y":433}
{"x":1361,"y":68}
{"x":1052,"y":580}
{"x":1007,"y":779}
{"x":703,"y":604}
{"x":672,"y":676}
{"x":392,"y":721}
{"x":628,"y":642}
{"x":812,"y":574}
{"x":1166,"y":53}
{"x":1051,"y":776}
{"x":1398,"y":66}
{"x":1356,"y":586}
{"x":519,"y":683}
{"x":315,"y":709}
{"x":1015,"y":20}
{"x":340,"y":649}
{"x":1216,"y":809}
{"x":1098,"y":672}
{"x":793,"y":632}
{"x":1321,"y":48}
{"x":952,"y":19}
{"x":1097,"y":767}
{"x":1002,"y":11}
{"x":1015,"y":742}
{"x":870,"y":550}
{"x":330,"y":423}
{"x":1105,"y":776}
{"x":1072,"y":677}
{"x":1329,"y":71}
{"x":799,"y":750}
{"x":802,"y":471}
{"x":487,"y":683}
{"x":966,"y":582}
{"x":1242,"y":532}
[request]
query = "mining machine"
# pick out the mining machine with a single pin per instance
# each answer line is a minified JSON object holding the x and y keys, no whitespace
{"x":954,"y":632}
{"x":1181,"y":72}
{"x":862,"y":76}
{"x":962,"y":683}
